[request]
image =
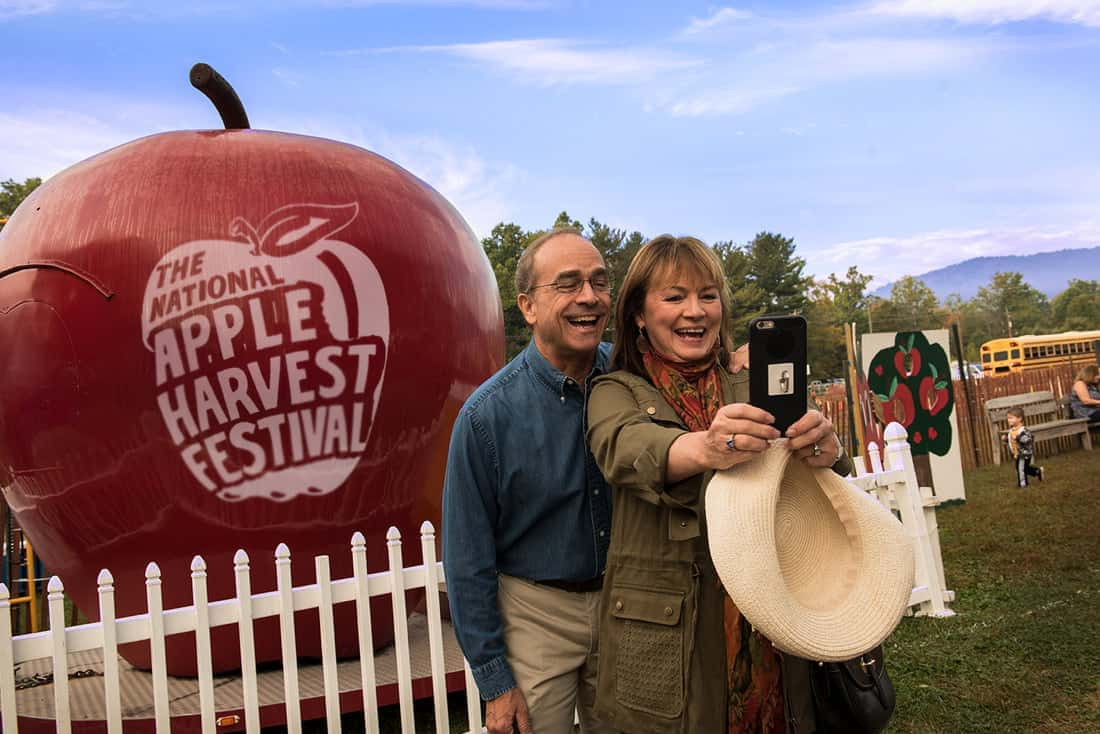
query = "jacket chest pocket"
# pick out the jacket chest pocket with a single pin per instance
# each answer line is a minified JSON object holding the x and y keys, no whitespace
{"x":650,"y":661}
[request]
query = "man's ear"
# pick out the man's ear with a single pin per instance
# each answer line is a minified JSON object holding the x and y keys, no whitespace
{"x":526,"y":307}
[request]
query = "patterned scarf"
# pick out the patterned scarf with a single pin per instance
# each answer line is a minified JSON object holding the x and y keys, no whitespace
{"x":691,"y":388}
{"x":755,"y":692}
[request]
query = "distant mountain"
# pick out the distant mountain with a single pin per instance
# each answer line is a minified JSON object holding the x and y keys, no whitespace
{"x":1048,"y":272}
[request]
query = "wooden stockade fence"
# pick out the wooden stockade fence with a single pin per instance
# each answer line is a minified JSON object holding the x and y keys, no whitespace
{"x":973,"y":437}
{"x":62,"y":649}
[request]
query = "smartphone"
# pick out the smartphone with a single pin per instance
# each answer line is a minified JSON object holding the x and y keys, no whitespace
{"x":777,"y":367}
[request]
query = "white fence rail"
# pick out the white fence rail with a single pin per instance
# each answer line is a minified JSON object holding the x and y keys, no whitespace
{"x":896,"y":486}
{"x":202,"y":615}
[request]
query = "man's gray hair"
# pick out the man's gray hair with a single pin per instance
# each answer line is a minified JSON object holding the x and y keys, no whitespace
{"x":525,"y":268}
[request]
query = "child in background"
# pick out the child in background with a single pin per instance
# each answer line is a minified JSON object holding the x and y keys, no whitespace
{"x":1022,"y":445}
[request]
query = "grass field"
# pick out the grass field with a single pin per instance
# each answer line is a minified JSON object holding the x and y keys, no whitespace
{"x":1022,"y":653}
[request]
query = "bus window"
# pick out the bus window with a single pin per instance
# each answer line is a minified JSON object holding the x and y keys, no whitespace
{"x":1000,"y":356}
{"x":1015,"y":353}
{"x":987,"y":357}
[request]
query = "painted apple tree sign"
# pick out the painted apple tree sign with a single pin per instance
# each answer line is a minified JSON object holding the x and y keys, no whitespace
{"x":214,"y":340}
{"x":911,"y":384}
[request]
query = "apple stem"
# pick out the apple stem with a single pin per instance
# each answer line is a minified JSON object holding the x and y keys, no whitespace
{"x":219,"y":91}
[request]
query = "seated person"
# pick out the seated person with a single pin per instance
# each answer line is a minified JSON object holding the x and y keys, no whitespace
{"x":1084,"y":398}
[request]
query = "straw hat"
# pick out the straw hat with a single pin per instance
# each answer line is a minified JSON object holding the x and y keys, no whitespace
{"x":818,"y":566}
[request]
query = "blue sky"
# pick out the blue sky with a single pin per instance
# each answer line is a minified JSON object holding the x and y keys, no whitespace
{"x":896,"y":135}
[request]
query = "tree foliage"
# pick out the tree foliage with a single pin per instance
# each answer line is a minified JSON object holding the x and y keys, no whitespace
{"x":12,"y":194}
{"x":1011,"y":306}
{"x":834,"y":302}
{"x":1077,"y":308}
{"x":912,"y":306}
{"x":777,"y":273}
{"x":747,"y":300}
{"x":765,"y":275}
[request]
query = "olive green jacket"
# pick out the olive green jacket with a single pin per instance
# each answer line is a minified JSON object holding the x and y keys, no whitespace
{"x":662,"y":661}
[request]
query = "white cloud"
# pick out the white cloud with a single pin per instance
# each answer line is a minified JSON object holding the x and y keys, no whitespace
{"x":559,"y":61}
{"x":769,"y":72}
{"x":479,"y":189}
{"x":889,"y":258}
{"x":289,"y":77}
{"x":726,"y":102}
{"x":43,"y":141}
{"x":1083,"y":12}
{"x":174,"y":9}
{"x":720,"y":17}
{"x":16,"y":8}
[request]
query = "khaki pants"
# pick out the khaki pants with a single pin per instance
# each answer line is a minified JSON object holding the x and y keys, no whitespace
{"x":552,"y":639}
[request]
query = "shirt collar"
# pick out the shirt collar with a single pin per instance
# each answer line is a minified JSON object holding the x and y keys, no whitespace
{"x":554,"y":379}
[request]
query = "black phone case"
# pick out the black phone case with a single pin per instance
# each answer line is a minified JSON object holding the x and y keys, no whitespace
{"x":777,"y":354}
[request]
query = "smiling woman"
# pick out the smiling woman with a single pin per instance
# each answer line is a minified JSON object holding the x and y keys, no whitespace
{"x":674,"y":411}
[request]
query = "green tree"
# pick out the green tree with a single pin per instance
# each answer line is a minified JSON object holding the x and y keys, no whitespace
{"x":618,"y":248}
{"x":912,"y":306}
{"x":1077,"y":308}
{"x":503,"y":247}
{"x":12,"y":194}
{"x":777,"y":272}
{"x":1012,"y":306}
{"x":747,"y":300}
{"x":834,"y":302}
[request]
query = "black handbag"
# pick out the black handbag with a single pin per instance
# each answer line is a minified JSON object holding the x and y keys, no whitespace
{"x":852,"y":696}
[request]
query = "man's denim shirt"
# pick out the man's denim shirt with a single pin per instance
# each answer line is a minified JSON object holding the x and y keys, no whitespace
{"x":523,"y":497}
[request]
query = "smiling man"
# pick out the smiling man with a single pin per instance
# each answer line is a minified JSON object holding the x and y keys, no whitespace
{"x":526,"y":513}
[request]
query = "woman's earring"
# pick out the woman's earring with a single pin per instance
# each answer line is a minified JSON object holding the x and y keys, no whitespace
{"x":642,"y":341}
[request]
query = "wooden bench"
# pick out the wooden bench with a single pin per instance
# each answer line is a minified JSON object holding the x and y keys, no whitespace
{"x":1042,"y":416}
{"x":1067,"y":412}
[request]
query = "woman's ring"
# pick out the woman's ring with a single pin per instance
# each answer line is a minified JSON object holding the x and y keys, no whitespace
{"x":729,"y":443}
{"x":817,"y":450}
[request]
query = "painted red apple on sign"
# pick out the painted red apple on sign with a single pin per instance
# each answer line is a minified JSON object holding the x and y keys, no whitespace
{"x":228,"y":339}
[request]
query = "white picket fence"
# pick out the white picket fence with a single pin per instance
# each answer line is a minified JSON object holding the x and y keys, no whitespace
{"x":202,"y":615}
{"x":895,"y":485}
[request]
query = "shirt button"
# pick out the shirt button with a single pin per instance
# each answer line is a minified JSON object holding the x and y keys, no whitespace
{"x":651,"y":410}
{"x":668,"y":611}
{"x":595,"y":491}
{"x":683,"y":523}
{"x":602,"y":533}
{"x":563,"y":398}
{"x":619,"y":604}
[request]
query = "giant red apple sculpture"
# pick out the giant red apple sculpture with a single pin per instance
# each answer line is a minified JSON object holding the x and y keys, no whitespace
{"x":228,"y":339}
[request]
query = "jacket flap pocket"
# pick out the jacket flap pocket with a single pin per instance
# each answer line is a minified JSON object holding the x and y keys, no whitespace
{"x":647,"y":605}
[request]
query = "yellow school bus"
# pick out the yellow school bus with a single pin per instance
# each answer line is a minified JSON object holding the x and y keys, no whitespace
{"x":1016,"y":354}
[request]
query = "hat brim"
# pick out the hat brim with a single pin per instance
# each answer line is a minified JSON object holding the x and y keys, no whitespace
{"x":818,"y":566}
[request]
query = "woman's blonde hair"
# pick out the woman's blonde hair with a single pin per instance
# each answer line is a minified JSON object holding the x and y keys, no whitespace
{"x":1088,"y":373}
{"x":663,"y":255}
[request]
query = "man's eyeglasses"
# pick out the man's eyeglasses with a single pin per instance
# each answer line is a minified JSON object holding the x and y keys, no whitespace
{"x":573,"y":283}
